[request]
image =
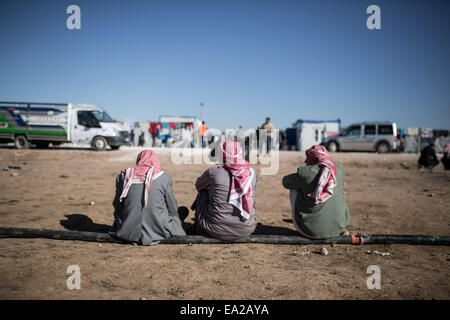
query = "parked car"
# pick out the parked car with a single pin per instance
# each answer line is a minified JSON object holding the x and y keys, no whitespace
{"x":366,"y":136}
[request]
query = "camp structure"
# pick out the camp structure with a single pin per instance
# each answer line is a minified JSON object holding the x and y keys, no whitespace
{"x":306,"y":133}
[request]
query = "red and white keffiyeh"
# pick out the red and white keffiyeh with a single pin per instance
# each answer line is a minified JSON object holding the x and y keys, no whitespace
{"x":146,"y":169}
{"x":241,"y":191}
{"x":327,"y":181}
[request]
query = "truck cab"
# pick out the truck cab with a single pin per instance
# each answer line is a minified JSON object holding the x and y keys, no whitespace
{"x":92,"y":125}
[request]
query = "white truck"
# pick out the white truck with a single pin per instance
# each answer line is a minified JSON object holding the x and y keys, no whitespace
{"x":26,"y":123}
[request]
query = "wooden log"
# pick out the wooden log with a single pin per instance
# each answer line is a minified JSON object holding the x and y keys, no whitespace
{"x":267,"y":239}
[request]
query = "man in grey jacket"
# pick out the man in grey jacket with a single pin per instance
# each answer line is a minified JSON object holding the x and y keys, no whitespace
{"x":145,"y":209}
{"x":224,"y":207}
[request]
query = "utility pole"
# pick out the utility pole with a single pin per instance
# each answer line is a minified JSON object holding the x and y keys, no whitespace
{"x":201,"y":111}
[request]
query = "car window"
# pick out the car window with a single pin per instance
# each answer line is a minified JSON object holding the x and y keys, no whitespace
{"x":369,"y":129}
{"x":385,"y":129}
{"x":354,"y":131}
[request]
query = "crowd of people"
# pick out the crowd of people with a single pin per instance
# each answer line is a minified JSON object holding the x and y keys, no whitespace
{"x":146,"y":210}
{"x":154,"y":134}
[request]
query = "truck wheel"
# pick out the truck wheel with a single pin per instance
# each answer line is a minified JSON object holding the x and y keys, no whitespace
{"x":383,"y":147}
{"x":21,"y":142}
{"x":99,"y":143}
{"x":332,"y":146}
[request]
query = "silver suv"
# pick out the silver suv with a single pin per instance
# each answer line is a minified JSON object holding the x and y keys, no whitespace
{"x":366,"y":136}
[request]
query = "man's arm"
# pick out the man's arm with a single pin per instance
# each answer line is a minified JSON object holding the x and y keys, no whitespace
{"x":171,"y":202}
{"x":203,"y":181}
{"x":119,"y":187}
{"x":118,"y":206}
{"x":293,"y":181}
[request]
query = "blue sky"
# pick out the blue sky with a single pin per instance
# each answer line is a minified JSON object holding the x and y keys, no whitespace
{"x":244,"y":59}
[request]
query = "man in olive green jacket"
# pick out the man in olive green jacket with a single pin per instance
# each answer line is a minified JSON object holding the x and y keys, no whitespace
{"x":318,"y":206}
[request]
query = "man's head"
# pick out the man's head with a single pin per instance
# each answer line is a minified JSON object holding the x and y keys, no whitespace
{"x":267,"y":120}
{"x":432,"y":146}
{"x":316,"y":154}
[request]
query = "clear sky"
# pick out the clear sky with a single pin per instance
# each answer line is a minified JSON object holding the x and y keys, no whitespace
{"x":244,"y":59}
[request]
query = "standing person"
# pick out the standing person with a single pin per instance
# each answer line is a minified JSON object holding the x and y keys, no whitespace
{"x":132,"y":137}
{"x":224,"y":205}
{"x":154,"y":130}
{"x":268,"y":126}
{"x":318,"y":206}
{"x":446,"y":158}
{"x":145,"y":209}
{"x":428,"y":157}
{"x":203,"y":129}
{"x":257,"y":138}
{"x":240,"y":133}
{"x":240,"y":137}
{"x":141,"y":139}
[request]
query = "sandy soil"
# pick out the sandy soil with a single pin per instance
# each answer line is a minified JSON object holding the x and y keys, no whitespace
{"x":54,"y":189}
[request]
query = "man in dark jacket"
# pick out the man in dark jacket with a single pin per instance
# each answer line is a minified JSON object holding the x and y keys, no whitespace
{"x":428,"y":157}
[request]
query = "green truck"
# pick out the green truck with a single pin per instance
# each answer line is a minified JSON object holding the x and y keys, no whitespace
{"x":27,"y":123}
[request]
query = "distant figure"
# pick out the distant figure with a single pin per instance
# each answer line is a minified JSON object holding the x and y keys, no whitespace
{"x":446,"y":158}
{"x":203,"y":129}
{"x":132,"y":137}
{"x":282,"y":141}
{"x":268,"y":126}
{"x":318,"y":206}
{"x":257,"y":137}
{"x":428,"y":157}
{"x":141,"y":139}
{"x":240,"y":133}
{"x":400,"y":143}
{"x":145,"y":209}
{"x":154,"y":129}
{"x":240,"y":137}
{"x":224,"y":205}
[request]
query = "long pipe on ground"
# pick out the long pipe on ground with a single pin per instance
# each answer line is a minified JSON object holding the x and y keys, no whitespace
{"x":268,"y":239}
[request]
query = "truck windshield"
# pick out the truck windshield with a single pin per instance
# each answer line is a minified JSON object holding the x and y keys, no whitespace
{"x":103,"y":116}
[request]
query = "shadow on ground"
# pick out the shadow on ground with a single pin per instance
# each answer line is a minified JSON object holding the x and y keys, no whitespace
{"x":81,"y":222}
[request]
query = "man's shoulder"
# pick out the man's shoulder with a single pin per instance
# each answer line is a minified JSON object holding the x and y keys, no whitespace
{"x":308,"y":170}
{"x":162,"y":179}
{"x":216,"y":169}
{"x":339,"y":170}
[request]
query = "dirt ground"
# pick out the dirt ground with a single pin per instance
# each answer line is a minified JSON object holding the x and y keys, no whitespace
{"x":54,"y":190}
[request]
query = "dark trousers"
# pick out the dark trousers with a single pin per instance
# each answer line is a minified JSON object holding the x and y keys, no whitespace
{"x":446,"y":162}
{"x":430,"y":164}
